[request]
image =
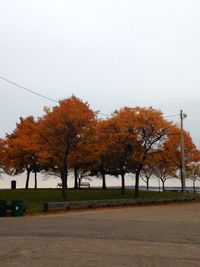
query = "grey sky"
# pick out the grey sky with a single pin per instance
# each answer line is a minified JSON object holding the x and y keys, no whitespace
{"x":110,"y":53}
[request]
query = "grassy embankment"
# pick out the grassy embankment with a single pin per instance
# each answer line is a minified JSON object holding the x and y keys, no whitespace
{"x":34,"y":198}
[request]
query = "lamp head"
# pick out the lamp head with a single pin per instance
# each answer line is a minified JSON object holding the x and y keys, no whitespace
{"x":184,"y":115}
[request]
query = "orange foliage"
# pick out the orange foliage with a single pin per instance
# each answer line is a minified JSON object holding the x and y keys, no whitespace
{"x":2,"y":154}
{"x":172,"y":147}
{"x":61,"y":131}
{"x":145,"y":130}
{"x":21,"y":147}
{"x":69,"y":136}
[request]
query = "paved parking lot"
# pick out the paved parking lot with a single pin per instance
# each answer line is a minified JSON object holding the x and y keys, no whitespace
{"x":164,"y":235}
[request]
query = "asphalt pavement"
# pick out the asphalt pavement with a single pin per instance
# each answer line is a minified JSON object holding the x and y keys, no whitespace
{"x":160,"y":235}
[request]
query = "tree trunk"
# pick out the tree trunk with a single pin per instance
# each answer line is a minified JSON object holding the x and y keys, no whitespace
{"x":64,"y":174}
{"x":35,"y":180}
{"x":27,"y":179}
{"x":137,"y":177}
{"x":194,"y":187}
{"x":123,"y":184}
{"x":163,"y":186}
{"x":147,"y":184}
{"x":103,"y":180}
{"x":159,"y":184}
{"x":75,"y":177}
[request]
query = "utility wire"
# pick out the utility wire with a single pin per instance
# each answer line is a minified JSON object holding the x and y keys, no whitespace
{"x":30,"y":91}
{"x":51,"y":99}
{"x":35,"y":93}
{"x":175,"y":115}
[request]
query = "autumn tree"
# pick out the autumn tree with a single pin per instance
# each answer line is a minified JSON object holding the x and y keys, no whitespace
{"x":61,"y":130}
{"x":148,"y":131}
{"x":164,"y":169}
{"x":100,"y":153}
{"x":193,"y":174}
{"x":109,"y":156}
{"x":146,"y":174}
{"x":1,"y":152}
{"x":2,"y":155}
{"x":117,"y":148}
{"x":20,"y":148}
{"x":82,"y":157}
{"x":172,"y":149}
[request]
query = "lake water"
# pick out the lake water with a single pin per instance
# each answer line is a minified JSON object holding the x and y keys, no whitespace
{"x":51,"y":182}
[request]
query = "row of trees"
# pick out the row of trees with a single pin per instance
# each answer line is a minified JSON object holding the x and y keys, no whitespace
{"x":70,"y":137}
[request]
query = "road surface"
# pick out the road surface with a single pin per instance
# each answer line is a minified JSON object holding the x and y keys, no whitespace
{"x":160,"y":235}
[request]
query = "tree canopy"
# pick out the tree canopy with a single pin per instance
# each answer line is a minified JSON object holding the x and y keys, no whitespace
{"x":70,"y":138}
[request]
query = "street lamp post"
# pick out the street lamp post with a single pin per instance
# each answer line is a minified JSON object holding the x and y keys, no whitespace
{"x":182,"y":116}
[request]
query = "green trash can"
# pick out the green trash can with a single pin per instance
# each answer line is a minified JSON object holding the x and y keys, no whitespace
{"x":3,"y":208}
{"x":17,"y":207}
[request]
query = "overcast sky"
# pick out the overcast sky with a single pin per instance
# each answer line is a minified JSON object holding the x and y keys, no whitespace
{"x":110,"y":53}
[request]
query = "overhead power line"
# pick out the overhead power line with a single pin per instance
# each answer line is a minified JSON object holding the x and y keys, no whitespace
{"x":36,"y":93}
{"x":30,"y":91}
{"x":175,"y":115}
{"x":51,"y":99}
